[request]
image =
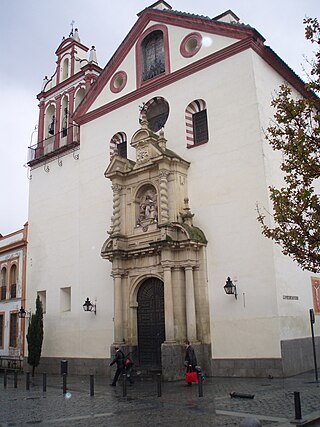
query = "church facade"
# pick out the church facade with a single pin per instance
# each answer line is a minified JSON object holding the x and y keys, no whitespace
{"x":143,"y":193}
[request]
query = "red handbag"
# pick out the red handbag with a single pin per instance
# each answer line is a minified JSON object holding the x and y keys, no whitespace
{"x":191,"y":377}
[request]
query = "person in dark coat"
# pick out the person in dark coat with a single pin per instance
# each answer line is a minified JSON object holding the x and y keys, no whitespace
{"x":119,"y":360}
{"x":190,"y":358}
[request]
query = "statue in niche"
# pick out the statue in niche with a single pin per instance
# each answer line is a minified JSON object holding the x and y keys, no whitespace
{"x":148,"y":209}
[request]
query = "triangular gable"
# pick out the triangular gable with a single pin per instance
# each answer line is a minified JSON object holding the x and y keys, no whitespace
{"x":118,"y":165}
{"x":161,"y":5}
{"x":227,"y":16}
{"x":193,"y":22}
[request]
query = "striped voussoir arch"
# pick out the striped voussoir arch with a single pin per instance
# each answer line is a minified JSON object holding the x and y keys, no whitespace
{"x":118,"y":138}
{"x":193,"y":107}
{"x":148,"y":104}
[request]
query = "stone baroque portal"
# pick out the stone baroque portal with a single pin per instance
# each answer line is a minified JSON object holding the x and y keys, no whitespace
{"x":158,"y":258}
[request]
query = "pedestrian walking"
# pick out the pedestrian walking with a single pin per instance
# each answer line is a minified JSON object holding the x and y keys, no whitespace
{"x":128,"y":367}
{"x":119,"y":360}
{"x":190,"y":363}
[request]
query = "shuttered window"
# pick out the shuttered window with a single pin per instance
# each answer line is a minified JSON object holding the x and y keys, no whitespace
{"x":152,"y":50}
{"x":13,"y":329}
{"x":200,"y":127}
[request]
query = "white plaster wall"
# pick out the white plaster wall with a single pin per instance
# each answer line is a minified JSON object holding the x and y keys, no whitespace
{"x":70,"y":210}
{"x":226,"y":178}
{"x":11,"y":238}
{"x":63,"y":253}
{"x":177,"y":61}
{"x":291,"y":280}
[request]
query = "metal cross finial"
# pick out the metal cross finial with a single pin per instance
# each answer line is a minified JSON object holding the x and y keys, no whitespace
{"x":71,"y":32}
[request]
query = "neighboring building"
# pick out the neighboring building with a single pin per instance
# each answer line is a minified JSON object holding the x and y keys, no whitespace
{"x":13,"y":256}
{"x":175,"y":122}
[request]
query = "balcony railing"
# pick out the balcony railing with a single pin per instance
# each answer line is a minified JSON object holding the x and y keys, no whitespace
{"x":54,"y":145}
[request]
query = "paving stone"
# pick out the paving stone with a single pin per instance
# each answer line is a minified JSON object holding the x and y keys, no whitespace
{"x":272,"y":405}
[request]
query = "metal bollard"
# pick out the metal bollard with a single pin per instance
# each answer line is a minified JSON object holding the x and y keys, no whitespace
{"x":124,"y":385}
{"x":15,"y":379}
{"x":297,"y":405}
{"x":44,"y":382}
{"x":64,"y":383}
{"x":5,"y":379}
{"x":159,"y":390}
{"x":91,"y":385}
{"x":200,"y":388}
{"x":27,"y":380}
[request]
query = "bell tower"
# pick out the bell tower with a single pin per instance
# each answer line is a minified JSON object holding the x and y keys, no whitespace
{"x":158,"y":257}
{"x":76,"y":70}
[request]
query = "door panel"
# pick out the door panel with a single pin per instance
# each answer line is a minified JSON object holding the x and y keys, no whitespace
{"x":151,"y":324}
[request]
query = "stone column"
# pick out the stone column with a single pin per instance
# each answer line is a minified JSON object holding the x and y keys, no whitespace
{"x":115,"y":220}
{"x":118,"y":309}
{"x":190,"y":305}
{"x":164,"y":206}
{"x":168,"y":304}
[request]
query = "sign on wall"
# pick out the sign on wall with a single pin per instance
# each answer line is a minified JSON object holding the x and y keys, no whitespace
{"x":315,"y":283}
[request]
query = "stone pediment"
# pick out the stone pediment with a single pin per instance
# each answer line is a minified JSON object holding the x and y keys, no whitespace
{"x":118,"y":165}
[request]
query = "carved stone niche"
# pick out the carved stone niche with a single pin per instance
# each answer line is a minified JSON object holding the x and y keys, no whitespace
{"x":146,"y":206}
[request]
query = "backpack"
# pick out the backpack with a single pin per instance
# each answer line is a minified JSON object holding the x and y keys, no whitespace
{"x":127,"y":362}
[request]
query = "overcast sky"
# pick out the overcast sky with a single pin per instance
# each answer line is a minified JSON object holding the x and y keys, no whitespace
{"x":31,"y":31}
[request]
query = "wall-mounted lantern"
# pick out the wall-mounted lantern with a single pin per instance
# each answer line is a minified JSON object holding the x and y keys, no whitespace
{"x":88,"y":306}
{"x":230,"y":288}
{"x":23,"y":314}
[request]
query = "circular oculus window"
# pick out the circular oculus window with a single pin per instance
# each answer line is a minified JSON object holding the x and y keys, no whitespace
{"x":118,"y":81}
{"x":190,"y":45}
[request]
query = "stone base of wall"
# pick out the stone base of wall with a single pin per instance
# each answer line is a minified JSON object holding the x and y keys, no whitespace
{"x":255,"y":368}
{"x":297,"y":357}
{"x":75,"y":366}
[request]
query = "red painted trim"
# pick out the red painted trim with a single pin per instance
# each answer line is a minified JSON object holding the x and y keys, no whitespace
{"x":183,"y":46}
{"x":67,"y":43}
{"x":164,"y":30}
{"x":72,"y":61}
{"x":71,"y":79}
{"x":197,"y":145}
{"x":122,"y":75}
{"x":164,"y":80}
{"x":58,"y":70}
{"x":192,"y":23}
{"x":41,"y":122}
{"x":154,"y":84}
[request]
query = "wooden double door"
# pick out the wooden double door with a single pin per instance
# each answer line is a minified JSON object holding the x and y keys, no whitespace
{"x":151,"y":322}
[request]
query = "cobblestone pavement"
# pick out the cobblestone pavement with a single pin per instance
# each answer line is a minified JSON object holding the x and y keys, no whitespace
{"x":272,"y":405}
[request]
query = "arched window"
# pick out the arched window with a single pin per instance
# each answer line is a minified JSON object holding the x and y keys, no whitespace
{"x":13,"y":337}
{"x":3,"y":287}
{"x":118,"y":145}
{"x":65,"y":69}
{"x":13,"y":281}
{"x":79,"y":97}
{"x":152,"y":55}
{"x":50,"y":121}
{"x":196,"y":123}
{"x":157,"y":111}
{"x":64,"y":117}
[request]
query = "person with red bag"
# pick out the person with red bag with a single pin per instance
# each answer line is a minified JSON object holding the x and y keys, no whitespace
{"x":190,"y":363}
